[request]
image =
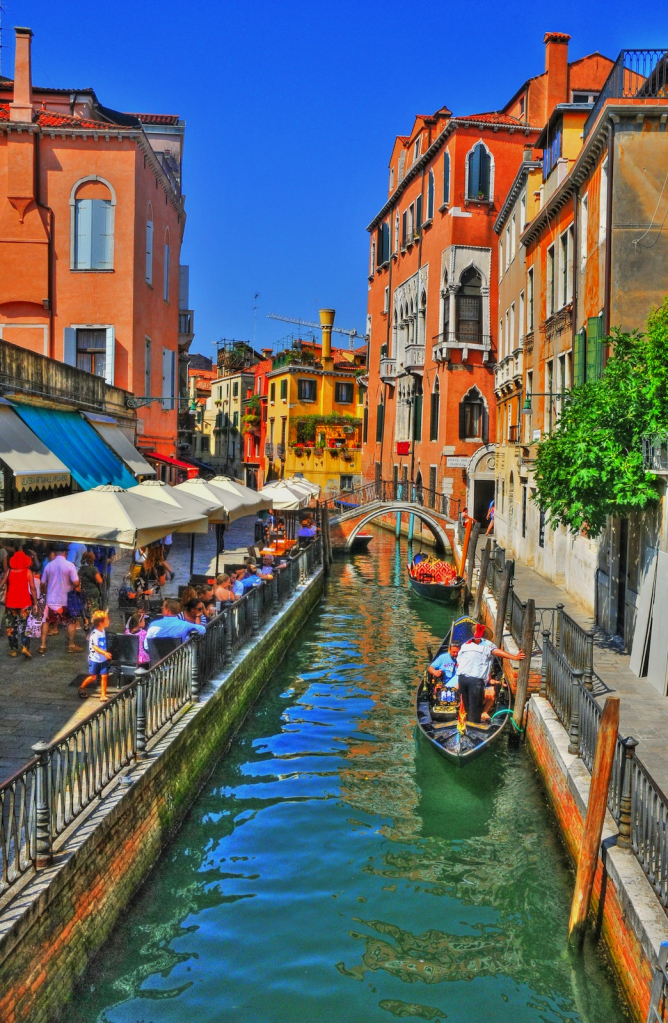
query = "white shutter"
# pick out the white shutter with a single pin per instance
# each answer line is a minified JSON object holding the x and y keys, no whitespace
{"x":84,"y":214}
{"x":70,"y":346}
{"x":149,"y":252}
{"x":110,"y":355}
{"x":102,"y":234}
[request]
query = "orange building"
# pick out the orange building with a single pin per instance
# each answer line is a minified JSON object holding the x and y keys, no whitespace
{"x":91,"y":222}
{"x":433,"y":286}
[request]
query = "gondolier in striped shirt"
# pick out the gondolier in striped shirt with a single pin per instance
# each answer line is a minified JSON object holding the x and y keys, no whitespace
{"x":474,"y":665}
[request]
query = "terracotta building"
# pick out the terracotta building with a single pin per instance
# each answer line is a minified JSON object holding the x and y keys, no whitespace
{"x":433,"y":286}
{"x":91,"y":222}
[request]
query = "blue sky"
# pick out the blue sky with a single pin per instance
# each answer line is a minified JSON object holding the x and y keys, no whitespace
{"x":291,"y":111}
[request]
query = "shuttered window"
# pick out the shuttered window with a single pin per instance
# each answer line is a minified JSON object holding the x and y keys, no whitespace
{"x":433,"y":415}
{"x":418,"y":216}
{"x":93,"y":234}
{"x":594,"y":370}
{"x":430,"y":196}
{"x":168,"y":378}
{"x":446,"y":178}
{"x":479,"y":167}
{"x":307,"y":390}
{"x":380,"y":418}
{"x":579,"y":346}
{"x":165,"y":281}
{"x":417,"y":417}
{"x":149,"y":252}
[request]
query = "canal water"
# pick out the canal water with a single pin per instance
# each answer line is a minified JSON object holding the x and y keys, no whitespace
{"x":337,"y":870}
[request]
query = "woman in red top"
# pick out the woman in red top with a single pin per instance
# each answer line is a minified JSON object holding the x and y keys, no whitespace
{"x":21,"y":597}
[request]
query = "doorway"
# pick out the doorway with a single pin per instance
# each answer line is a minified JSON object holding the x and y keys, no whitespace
{"x":483,"y":495}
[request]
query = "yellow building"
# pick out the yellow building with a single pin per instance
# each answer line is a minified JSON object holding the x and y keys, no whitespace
{"x":315,"y":412}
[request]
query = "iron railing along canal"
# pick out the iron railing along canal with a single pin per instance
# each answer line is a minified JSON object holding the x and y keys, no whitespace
{"x":64,"y":777}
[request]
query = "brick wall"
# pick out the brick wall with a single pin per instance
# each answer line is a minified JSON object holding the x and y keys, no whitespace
{"x":58,"y":922}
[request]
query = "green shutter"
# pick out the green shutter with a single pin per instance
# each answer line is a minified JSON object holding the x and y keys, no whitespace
{"x":579,"y":358}
{"x":594,"y":349}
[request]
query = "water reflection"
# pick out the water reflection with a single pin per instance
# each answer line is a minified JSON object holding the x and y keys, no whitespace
{"x":337,"y":869}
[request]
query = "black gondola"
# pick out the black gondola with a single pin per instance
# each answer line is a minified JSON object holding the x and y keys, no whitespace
{"x":459,"y":740}
{"x":441,"y":593}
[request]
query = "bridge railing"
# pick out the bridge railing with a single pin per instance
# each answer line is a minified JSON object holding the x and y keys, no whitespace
{"x":384,"y":491}
{"x":66,"y":776}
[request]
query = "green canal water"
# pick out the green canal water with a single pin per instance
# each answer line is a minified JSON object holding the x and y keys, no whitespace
{"x":337,"y":870}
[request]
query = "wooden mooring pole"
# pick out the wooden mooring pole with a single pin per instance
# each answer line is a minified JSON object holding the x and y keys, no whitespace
{"x":326,"y":539}
{"x":528,"y":622}
{"x":475,"y":533}
{"x":482,"y":579}
{"x":502,"y":601}
{"x":593,"y":827}
{"x":465,"y":546}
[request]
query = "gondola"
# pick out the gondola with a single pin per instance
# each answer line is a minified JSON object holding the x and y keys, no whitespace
{"x":432,"y":589}
{"x":361,"y":542}
{"x":445,"y":725}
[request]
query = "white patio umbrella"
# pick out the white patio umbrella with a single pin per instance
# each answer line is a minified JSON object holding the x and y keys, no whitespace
{"x":312,"y":489}
{"x":284,"y":497}
{"x":231,"y":506}
{"x":107,"y":515}
{"x":195,"y":505}
{"x":253,"y":502}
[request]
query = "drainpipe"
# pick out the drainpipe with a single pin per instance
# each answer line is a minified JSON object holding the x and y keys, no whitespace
{"x":576,"y":265}
{"x":608,"y":233}
{"x":50,"y":258}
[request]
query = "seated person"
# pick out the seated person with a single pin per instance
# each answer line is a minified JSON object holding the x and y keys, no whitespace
{"x":251,"y":578}
{"x":206,"y":595}
{"x":238,"y":582}
{"x":443,"y":672}
{"x":266,"y":569}
{"x":170,"y":626}
{"x":223,"y":591}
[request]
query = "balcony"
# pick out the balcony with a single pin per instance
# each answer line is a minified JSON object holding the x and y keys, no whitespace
{"x":388,"y":370}
{"x":414,"y":358}
{"x":186,"y":328}
{"x":636,"y":74}
{"x":268,"y":449}
{"x":446,"y":342}
{"x":281,"y":451}
{"x":655,"y":453}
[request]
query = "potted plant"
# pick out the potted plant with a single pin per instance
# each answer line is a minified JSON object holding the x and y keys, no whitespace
{"x":334,"y":452}
{"x":299,"y":450}
{"x":319,"y":452}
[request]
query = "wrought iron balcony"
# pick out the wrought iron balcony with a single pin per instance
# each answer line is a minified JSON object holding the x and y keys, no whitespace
{"x":269,"y":449}
{"x":655,"y":453}
{"x":280,"y":451}
{"x":388,"y":369}
{"x":636,"y":74}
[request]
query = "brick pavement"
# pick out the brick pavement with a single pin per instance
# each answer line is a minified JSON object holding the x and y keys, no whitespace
{"x":644,"y":712}
{"x":39,"y":698}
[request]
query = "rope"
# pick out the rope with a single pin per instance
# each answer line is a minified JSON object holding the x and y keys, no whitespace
{"x":508,"y":710}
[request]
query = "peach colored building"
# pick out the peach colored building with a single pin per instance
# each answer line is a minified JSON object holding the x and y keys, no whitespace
{"x":91,"y":223}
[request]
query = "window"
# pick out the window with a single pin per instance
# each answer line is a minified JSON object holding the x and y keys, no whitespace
{"x":594,"y":346}
{"x":418,"y":215}
{"x":235,"y":420}
{"x":404,"y":228}
{"x":501,"y":258}
{"x":507,"y":245}
{"x":372,"y":257}
{"x":417,"y":410}
{"x":346,"y":482}
{"x":446,"y":177}
{"x":509,"y":339}
{"x":284,"y":390}
{"x":430,"y":196}
{"x":402,"y":166}
{"x":603,"y":202}
{"x":380,"y":419}
{"x":306,"y":390}
{"x":552,"y":152}
{"x":512,"y":329}
{"x":416,"y":148}
{"x":469,"y":307}
{"x":284,"y":425}
{"x":584,"y":97}
{"x":391,"y":179}
{"x":384,"y":243}
{"x":165,"y":271}
{"x":549,"y":390}
{"x":550,"y":296}
{"x":411,"y":222}
{"x":92,"y":351}
{"x":149,"y":252}
{"x":434,"y":411}
{"x":520,"y":326}
{"x":396,"y":231}
{"x":93,"y":234}
{"x":272,"y":392}
{"x":479,"y":165}
{"x":584,"y":227}
{"x":147,"y":367}
{"x":365,"y":425}
{"x":523,"y":211}
{"x":386,"y":300}
{"x":522,"y":106}
{"x":563,"y":269}
{"x":501,"y":342}
{"x":168,"y":379}
{"x":513,"y":237}
{"x":473,"y":417}
{"x":541,"y":527}
{"x":530,"y":300}
{"x":343,"y":392}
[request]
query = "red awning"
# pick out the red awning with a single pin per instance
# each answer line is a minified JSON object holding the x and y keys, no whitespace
{"x":191,"y":470}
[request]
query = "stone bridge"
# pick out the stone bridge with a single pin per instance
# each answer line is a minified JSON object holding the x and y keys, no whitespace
{"x":347,"y":522}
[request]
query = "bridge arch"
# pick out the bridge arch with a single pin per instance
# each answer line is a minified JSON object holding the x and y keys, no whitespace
{"x":387,"y":507}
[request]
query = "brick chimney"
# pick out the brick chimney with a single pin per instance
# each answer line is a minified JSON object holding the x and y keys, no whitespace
{"x":556,"y":66}
{"x":21,"y":107}
{"x":267,"y":352}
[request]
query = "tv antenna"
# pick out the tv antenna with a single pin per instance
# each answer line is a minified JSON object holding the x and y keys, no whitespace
{"x":352,"y":334}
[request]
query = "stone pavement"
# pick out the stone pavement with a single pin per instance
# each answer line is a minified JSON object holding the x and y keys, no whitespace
{"x":643,"y":711}
{"x":39,"y":698}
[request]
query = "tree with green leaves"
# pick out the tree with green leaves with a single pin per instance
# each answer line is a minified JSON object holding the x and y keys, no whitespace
{"x":591,"y":466}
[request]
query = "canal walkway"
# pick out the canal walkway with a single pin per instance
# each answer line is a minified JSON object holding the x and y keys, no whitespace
{"x":644,"y":712}
{"x":39,"y":699}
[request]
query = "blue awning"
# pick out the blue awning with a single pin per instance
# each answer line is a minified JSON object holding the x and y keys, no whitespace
{"x":76,"y":443}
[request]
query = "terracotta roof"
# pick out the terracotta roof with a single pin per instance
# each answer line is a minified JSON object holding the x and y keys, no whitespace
{"x":493,"y":117}
{"x":47,"y":119}
{"x":157,"y":118}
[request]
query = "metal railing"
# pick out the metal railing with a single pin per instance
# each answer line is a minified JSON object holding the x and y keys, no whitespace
{"x":395,"y":490}
{"x":64,"y":777}
{"x":636,"y":74}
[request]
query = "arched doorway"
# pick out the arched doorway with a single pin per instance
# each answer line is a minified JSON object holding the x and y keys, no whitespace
{"x":481,"y":483}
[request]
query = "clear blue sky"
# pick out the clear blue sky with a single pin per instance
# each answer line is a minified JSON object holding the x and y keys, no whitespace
{"x":291,"y":111}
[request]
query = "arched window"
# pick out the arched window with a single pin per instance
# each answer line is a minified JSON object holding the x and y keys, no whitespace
{"x":165,"y":269}
{"x":411,"y":324}
{"x":473,"y":417}
{"x":422,"y":320}
{"x":396,"y":232}
{"x":92,"y":203}
{"x":434,"y":411}
{"x":417,"y":410}
{"x":469,"y":307}
{"x":149,"y":245}
{"x":446,"y":177}
{"x":479,"y":173}
{"x":380,"y":419}
{"x":430,"y":196}
{"x":445,"y":309}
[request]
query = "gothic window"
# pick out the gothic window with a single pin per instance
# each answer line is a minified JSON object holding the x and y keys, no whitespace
{"x":434,"y":411}
{"x":473,"y":419}
{"x":469,"y":307}
{"x":479,"y":173}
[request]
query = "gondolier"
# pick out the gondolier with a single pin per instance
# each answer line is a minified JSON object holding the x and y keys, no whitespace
{"x":474,"y":664}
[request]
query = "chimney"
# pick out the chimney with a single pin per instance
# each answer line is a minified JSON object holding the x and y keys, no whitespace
{"x":327,"y":322}
{"x":21,"y":107}
{"x":556,"y":66}
{"x":267,"y":353}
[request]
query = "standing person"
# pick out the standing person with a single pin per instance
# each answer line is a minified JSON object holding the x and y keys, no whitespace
{"x":20,"y":599}
{"x":167,"y":545}
{"x":98,"y":655}
{"x":59,"y":577}
{"x":474,"y":663}
{"x":91,"y":588}
{"x":75,"y":552}
{"x":490,"y":518}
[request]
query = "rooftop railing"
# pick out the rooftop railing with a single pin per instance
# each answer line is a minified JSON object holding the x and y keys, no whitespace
{"x":636,"y":74}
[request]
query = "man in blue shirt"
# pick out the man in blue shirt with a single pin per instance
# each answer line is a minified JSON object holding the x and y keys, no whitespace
{"x":170,"y":626}
{"x":251,"y":578}
{"x":443,"y":669}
